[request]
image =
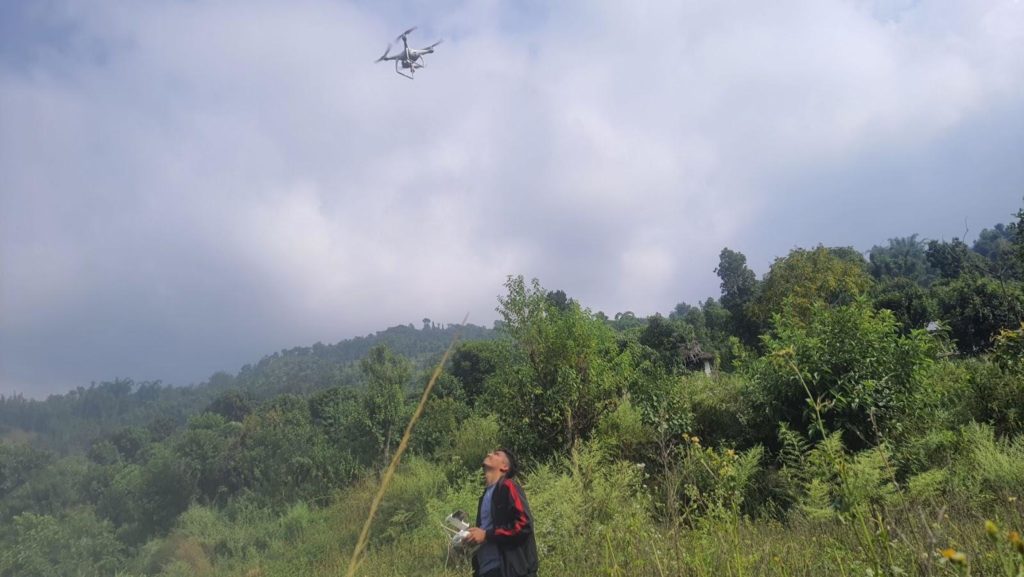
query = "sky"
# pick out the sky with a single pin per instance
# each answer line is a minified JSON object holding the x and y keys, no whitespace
{"x":186,"y":186}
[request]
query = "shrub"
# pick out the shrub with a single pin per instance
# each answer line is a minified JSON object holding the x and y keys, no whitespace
{"x":845,"y":369}
{"x":990,"y":469}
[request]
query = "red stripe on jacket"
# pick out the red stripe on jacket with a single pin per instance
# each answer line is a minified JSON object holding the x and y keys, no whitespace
{"x":521,"y":518}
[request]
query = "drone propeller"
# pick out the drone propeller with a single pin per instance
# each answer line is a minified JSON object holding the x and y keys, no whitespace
{"x":384,"y":57}
{"x":404,"y":34}
{"x":434,"y":44}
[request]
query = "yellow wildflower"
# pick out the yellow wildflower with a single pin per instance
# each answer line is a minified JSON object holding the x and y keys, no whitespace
{"x":992,"y":530}
{"x":954,"y":556}
{"x":1016,"y":541}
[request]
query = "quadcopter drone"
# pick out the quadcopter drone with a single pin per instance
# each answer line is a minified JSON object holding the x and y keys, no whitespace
{"x":409,"y":58}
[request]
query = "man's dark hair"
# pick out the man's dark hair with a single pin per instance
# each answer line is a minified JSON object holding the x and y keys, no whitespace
{"x":513,"y":466}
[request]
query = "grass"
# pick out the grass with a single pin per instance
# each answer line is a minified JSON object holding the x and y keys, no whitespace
{"x":599,"y":521}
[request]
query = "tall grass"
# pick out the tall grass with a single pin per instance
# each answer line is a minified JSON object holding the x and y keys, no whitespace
{"x":595,"y":515}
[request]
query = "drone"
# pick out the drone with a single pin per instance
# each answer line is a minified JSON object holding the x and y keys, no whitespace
{"x":409,"y":58}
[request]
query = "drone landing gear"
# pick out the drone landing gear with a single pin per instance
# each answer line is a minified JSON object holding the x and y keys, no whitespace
{"x":400,"y":73}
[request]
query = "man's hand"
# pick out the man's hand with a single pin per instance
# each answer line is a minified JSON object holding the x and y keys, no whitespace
{"x":477,"y":535}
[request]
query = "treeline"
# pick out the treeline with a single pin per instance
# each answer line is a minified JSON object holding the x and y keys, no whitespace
{"x":842,"y":414}
{"x":71,"y":422}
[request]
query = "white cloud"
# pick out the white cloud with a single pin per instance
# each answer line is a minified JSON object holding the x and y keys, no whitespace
{"x":241,"y":176}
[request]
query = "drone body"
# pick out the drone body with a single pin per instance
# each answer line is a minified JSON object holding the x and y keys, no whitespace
{"x":409,"y":59}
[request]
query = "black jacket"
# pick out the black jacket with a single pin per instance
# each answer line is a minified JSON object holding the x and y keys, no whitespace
{"x":512,"y":530}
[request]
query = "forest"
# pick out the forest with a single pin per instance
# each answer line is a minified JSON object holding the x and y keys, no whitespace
{"x":847,"y":413}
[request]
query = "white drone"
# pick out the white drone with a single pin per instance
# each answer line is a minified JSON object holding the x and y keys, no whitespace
{"x":409,"y":58}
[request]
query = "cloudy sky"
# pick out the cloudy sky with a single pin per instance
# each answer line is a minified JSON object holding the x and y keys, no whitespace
{"x":186,"y":186}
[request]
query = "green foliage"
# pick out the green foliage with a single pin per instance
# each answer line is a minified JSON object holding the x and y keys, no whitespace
{"x":592,"y":512}
{"x":567,"y":375}
{"x":49,"y":490}
{"x":995,"y":393}
{"x":624,"y":432}
{"x":996,"y":245}
{"x":668,"y":340}
{"x":976,"y":308}
{"x":740,"y":288}
{"x":405,"y":505}
{"x":474,"y":362}
{"x":283,"y":457}
{"x":76,"y":543}
{"x":206,"y":449}
{"x":891,"y":448}
{"x":163,"y":491}
{"x":989,"y":469}
{"x":305,"y":370}
{"x":436,"y":432}
{"x":715,"y":482}
{"x":904,"y":258}
{"x":1008,"y":349}
{"x":843,"y":368}
{"x":912,"y":305}
{"x":72,"y":422}
{"x":477,"y":436}
{"x":805,"y":278}
{"x":383,"y":402}
{"x":928,"y":486}
{"x":233,"y":405}
{"x":954,"y":259}
{"x":708,"y":325}
{"x":661,"y":399}
{"x":721,"y":409}
{"x":1018,"y":237}
{"x":18,"y":464}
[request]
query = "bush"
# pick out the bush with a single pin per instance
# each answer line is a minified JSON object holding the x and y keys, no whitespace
{"x":845,"y":369}
{"x":474,"y":439}
{"x":996,"y":390}
{"x":990,"y":470}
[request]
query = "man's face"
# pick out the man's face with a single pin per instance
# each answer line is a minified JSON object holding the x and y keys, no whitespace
{"x":495,"y":465}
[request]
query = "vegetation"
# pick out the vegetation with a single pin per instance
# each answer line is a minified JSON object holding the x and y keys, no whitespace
{"x":863,"y":416}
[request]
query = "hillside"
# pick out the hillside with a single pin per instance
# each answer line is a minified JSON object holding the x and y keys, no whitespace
{"x":70,"y":422}
{"x":855,"y":416}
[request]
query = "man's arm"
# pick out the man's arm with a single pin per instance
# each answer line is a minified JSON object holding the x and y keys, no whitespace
{"x":519,"y":525}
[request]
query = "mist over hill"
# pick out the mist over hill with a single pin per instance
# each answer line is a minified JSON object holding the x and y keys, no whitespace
{"x":70,"y":421}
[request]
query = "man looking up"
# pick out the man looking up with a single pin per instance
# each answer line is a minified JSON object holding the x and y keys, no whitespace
{"x":505,"y":523}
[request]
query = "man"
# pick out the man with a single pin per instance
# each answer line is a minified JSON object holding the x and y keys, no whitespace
{"x":505,"y":524}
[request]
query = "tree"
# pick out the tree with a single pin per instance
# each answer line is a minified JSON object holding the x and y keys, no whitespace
{"x":233,"y":405}
{"x":386,"y":374}
{"x":563,"y":374}
{"x":977,"y":307}
{"x":913,"y":306}
{"x":206,"y":451}
{"x":75,"y":543}
{"x":904,"y":257}
{"x":806,"y":277}
{"x":846,"y":368}
{"x":996,"y":245}
{"x":709,"y":325}
{"x":18,"y":464}
{"x":473,"y":362}
{"x":282,"y":457}
{"x":1018,"y":237}
{"x":739,"y":289}
{"x":130,"y":442}
{"x":626,"y":321}
{"x":559,"y":300}
{"x":954,"y":259}
{"x":666,"y":339}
